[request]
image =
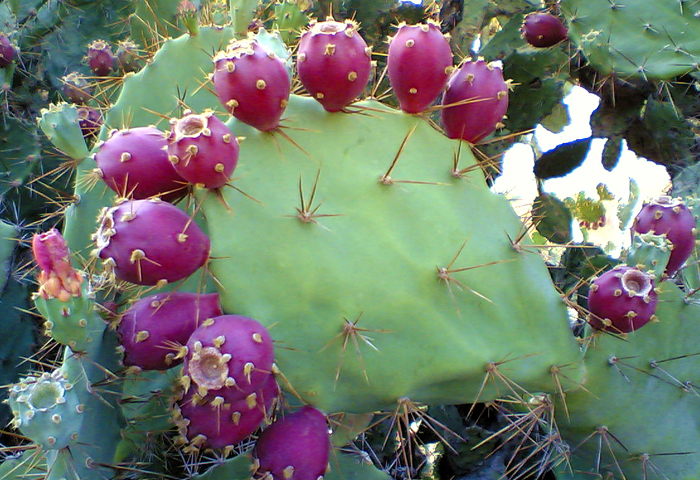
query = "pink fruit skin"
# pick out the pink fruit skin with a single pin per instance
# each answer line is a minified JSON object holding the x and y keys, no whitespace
{"x":666,"y":216}
{"x":100,"y":58}
{"x":227,"y":423}
{"x":173,"y":246}
{"x":298,"y":443}
{"x":133,"y":163}
{"x":484,"y":84}
{"x":543,"y":30}
{"x":247,"y":342}
{"x":252,"y":83}
{"x":203,"y":159}
{"x":609,"y":299}
{"x":334,"y":63}
{"x":168,"y":320}
{"x":419,"y":64}
{"x":7,"y":51}
{"x":90,"y":121}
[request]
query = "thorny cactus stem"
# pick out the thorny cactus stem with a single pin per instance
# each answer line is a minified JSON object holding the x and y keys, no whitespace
{"x":57,"y":279}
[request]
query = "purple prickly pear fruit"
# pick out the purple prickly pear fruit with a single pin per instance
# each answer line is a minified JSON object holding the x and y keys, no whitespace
{"x":127,"y":56}
{"x":90,"y":121}
{"x":229,"y":352}
{"x":76,"y":89}
{"x":134,"y":163}
{"x":334,"y":63}
{"x":419,"y":64}
{"x":7,"y":51}
{"x":622,"y":300}
{"x":100,"y":58}
{"x":154,"y":330}
{"x":294,"y":447}
{"x":57,"y":278}
{"x":669,"y":216}
{"x":149,"y":242}
{"x":214,"y":421}
{"x":252,"y":83}
{"x":202,"y":149}
{"x":542,"y":29}
{"x":484,"y":93}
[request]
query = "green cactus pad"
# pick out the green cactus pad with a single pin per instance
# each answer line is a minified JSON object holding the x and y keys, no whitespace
{"x":651,"y":253}
{"x":635,"y":415}
{"x":60,"y":125}
{"x":370,"y":254}
{"x":636,"y":37}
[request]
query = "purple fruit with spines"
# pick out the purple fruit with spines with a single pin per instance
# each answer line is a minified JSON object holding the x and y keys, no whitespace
{"x":295,"y":447}
{"x":202,"y":149}
{"x":100,"y":58}
{"x":479,"y":98}
{"x":213,"y":421}
{"x":252,"y":83}
{"x":419,"y":63}
{"x":90,"y":121}
{"x":622,"y":300}
{"x":149,"y":242}
{"x":155,"y":329}
{"x":229,"y":352}
{"x":134,"y":163}
{"x":127,"y":56}
{"x":542,"y":30}
{"x":7,"y":51}
{"x":76,"y":89}
{"x":669,"y":216}
{"x":334,"y":63}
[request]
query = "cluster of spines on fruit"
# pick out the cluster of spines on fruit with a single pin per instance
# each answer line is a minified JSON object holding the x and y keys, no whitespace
{"x":138,"y":273}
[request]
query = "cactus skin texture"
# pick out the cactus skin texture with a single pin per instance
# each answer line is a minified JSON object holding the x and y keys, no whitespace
{"x":482,"y":87}
{"x":296,"y":446}
{"x":543,"y":30}
{"x":252,"y":83}
{"x":129,"y":251}
{"x":202,"y":149}
{"x":334,"y":63}
{"x":133,"y":162}
{"x":61,"y":124}
{"x":419,"y":65}
{"x":669,"y":217}
{"x":151,"y":330}
{"x":622,"y":300}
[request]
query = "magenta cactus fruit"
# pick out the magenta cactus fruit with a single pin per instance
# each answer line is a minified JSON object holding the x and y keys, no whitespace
{"x":419,"y":65}
{"x":296,"y":447}
{"x":127,"y":56}
{"x":252,"y":83}
{"x":7,"y":51}
{"x":668,"y":216}
{"x":100,"y":58}
{"x":479,"y":98}
{"x":149,"y":242}
{"x":154,"y":330}
{"x":542,"y":30}
{"x":90,"y":121}
{"x":214,"y":421}
{"x":134,"y":163}
{"x":57,"y":278}
{"x":334,"y":63}
{"x":622,"y":300}
{"x":229,"y":352}
{"x":76,"y":89}
{"x":202,"y":149}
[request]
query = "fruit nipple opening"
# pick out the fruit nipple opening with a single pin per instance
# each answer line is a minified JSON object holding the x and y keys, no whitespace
{"x":190,"y":126}
{"x":45,"y":395}
{"x":329,"y":27}
{"x":209,"y":368}
{"x":636,"y":282}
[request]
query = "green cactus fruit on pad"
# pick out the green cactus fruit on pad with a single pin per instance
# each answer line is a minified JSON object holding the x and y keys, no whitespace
{"x":341,"y":248}
{"x":637,"y":415}
{"x":636,"y":37}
